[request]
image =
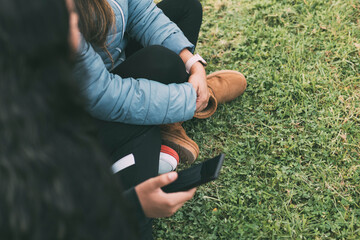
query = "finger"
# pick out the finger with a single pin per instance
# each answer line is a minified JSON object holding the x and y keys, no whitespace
{"x":163,"y":180}
{"x":206,"y":104}
{"x":177,"y":207}
{"x":203,"y":106}
{"x":198,"y":107}
{"x":201,"y":109}
{"x":192,"y":191}
{"x":191,"y":194}
{"x":181,"y":197}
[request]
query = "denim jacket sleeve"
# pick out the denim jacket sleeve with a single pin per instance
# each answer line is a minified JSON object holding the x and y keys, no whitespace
{"x":128,"y":100}
{"x":150,"y":26}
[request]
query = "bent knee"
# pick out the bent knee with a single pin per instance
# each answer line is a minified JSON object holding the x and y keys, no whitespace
{"x":166,"y":61}
{"x":194,"y":5}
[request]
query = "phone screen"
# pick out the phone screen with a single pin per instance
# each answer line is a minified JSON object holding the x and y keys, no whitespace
{"x":199,"y":174}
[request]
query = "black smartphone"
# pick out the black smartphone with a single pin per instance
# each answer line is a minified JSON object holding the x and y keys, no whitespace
{"x":194,"y":176}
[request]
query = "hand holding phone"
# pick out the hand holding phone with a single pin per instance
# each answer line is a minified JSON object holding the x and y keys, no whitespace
{"x":194,"y":176}
{"x":154,"y":202}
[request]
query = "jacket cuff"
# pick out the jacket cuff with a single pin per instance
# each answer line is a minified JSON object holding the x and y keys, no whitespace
{"x":177,"y":42}
{"x":132,"y":198}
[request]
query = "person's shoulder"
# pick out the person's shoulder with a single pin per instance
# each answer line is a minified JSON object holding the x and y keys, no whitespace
{"x":118,"y":5}
{"x":120,"y":8}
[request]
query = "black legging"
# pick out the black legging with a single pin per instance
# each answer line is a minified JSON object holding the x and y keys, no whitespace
{"x":187,"y":14}
{"x":158,"y":64}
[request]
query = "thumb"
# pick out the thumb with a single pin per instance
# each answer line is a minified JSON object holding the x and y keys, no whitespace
{"x":164,"y":179}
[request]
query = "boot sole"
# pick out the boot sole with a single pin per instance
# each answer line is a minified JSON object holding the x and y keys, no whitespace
{"x":187,"y":152}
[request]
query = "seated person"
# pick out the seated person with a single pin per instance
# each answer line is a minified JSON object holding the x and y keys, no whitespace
{"x":55,"y":180}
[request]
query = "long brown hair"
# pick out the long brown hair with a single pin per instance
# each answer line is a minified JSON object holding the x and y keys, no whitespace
{"x":96,"y":19}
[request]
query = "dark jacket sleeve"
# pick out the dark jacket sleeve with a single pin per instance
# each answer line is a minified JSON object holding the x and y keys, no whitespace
{"x":132,"y":198}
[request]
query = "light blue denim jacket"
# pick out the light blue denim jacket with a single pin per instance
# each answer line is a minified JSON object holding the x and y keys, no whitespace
{"x":136,"y":101}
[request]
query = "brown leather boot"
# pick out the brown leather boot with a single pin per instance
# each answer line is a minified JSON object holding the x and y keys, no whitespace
{"x":174,"y":136}
{"x":226,"y":85}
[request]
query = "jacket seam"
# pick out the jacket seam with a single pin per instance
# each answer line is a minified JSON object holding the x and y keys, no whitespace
{"x":132,"y":97}
{"x":148,"y":107}
{"x":122,"y":17}
{"x":168,"y":105}
{"x":185,"y":103}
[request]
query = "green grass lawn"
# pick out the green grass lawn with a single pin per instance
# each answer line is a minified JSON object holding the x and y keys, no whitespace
{"x":292,"y":141}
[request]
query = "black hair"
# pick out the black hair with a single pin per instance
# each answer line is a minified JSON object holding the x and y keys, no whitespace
{"x":55,"y":182}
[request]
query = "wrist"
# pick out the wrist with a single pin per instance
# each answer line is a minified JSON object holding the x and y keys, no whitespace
{"x":197,"y":69}
{"x":194,"y":62}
